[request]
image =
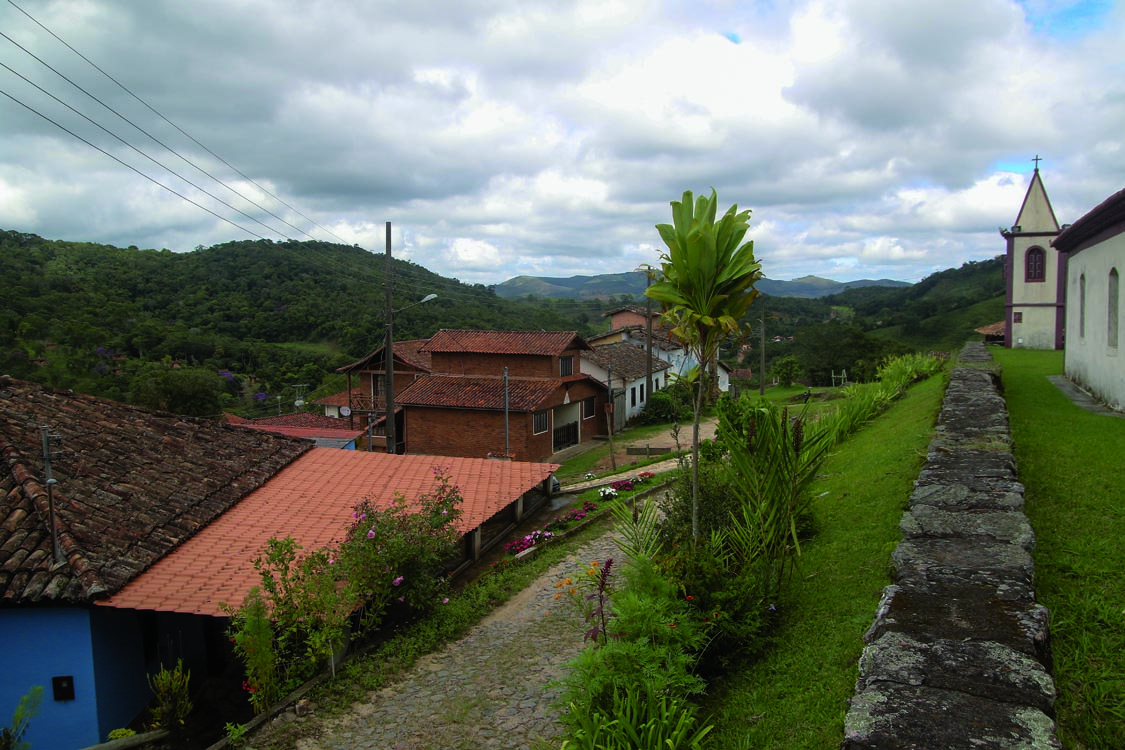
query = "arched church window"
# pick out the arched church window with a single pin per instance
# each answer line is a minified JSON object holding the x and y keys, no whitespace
{"x":1113,"y":312}
{"x":1082,"y":306}
{"x":1035,"y":265}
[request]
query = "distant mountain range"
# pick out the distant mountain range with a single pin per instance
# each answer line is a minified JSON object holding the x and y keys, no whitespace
{"x":633,"y":283}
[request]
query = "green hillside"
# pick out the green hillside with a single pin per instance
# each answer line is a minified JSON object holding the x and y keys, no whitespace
{"x":95,"y":317}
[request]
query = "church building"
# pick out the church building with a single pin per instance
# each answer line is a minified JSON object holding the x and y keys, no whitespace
{"x":1035,"y":274}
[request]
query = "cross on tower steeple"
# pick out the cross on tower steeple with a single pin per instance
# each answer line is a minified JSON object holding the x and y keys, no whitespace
{"x":1037,"y":160}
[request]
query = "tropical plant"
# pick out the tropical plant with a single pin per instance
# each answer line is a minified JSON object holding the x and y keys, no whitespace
{"x":11,"y":737}
{"x":706,"y":284}
{"x":173,"y":699}
{"x":641,"y":718}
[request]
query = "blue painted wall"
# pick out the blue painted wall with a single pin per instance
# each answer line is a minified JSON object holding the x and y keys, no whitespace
{"x":41,"y":644}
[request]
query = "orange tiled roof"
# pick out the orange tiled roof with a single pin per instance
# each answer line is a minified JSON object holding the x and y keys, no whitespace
{"x":312,"y":500}
{"x":993,"y":329}
{"x":549,"y":343}
{"x":628,"y":360}
{"x":479,"y":392}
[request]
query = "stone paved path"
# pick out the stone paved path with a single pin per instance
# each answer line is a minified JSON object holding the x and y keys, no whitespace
{"x":491,"y":689}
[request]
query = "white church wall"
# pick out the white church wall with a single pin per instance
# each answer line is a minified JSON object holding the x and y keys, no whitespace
{"x":1090,"y":359}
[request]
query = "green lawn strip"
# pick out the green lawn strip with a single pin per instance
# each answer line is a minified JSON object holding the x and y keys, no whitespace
{"x":1070,"y":462}
{"x":795,"y":695}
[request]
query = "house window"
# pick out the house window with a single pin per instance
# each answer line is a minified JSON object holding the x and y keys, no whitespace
{"x":1017,"y":317}
{"x":1035,"y":267}
{"x":588,"y":408}
{"x":633,"y":396}
{"x":642,"y":393}
{"x":1082,"y":306}
{"x":539,"y":424}
{"x":566,"y":366}
{"x":1113,"y":308}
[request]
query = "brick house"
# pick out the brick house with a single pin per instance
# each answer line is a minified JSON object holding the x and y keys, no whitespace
{"x":520,"y":393}
{"x":366,"y":395}
{"x":152,"y":519}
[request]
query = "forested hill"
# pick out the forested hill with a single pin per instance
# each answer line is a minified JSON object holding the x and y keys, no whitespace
{"x":89,"y":317}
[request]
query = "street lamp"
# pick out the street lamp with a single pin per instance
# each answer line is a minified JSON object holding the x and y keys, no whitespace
{"x":389,"y":360}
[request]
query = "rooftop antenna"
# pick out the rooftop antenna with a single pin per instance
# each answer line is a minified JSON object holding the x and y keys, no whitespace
{"x":300,"y":394}
{"x":48,"y":438}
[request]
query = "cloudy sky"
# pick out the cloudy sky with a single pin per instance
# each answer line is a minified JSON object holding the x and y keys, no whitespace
{"x":871,"y":138}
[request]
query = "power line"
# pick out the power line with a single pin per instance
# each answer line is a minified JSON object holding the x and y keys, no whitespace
{"x":187,"y":135}
{"x":151,"y":136}
{"x":139,"y":151}
{"x":130,"y":166}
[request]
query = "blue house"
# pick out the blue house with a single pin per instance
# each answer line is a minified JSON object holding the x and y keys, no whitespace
{"x":93,"y":493}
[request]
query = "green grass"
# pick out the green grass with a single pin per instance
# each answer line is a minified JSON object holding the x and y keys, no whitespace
{"x":1070,"y":462}
{"x":795,"y":695}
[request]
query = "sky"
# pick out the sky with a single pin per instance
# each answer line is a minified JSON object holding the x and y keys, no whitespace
{"x":870,"y":138}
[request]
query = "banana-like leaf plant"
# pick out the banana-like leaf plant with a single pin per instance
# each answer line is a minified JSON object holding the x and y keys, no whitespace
{"x":706,"y":284}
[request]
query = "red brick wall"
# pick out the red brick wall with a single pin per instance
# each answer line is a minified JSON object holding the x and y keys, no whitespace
{"x":519,"y":365}
{"x":472,"y":433}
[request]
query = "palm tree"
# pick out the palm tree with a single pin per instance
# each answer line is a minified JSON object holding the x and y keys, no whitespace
{"x":705,"y":286}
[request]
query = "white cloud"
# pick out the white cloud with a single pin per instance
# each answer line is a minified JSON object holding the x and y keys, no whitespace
{"x":870,"y":138}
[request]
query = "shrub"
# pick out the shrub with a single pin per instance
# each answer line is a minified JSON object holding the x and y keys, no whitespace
{"x":173,"y":702}
{"x":529,"y":541}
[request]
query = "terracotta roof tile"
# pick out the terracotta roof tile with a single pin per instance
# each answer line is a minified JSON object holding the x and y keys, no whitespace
{"x":479,"y":392}
{"x":550,"y":343}
{"x":312,"y":500}
{"x":339,"y":399}
{"x":132,"y":485}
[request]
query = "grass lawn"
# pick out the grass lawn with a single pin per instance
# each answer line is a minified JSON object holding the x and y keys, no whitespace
{"x":1071,"y":462}
{"x":795,"y":695}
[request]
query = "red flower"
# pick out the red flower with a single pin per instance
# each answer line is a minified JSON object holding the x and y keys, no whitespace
{"x":691,"y":598}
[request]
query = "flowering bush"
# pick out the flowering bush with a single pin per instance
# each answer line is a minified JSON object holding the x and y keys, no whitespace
{"x":607,"y":493}
{"x":561,"y":522}
{"x":589,"y":475}
{"x":623,"y":485}
{"x":528,"y":541}
{"x":297,"y":617}
{"x":644,"y":477}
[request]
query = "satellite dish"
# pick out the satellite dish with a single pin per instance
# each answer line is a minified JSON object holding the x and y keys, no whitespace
{"x":299,"y":403}
{"x":345,"y":411}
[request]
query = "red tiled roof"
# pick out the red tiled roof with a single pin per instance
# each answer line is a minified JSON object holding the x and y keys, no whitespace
{"x":133,"y":484}
{"x":312,"y":500}
{"x":410,"y":352}
{"x":311,"y":433}
{"x":479,"y":392}
{"x":339,"y":399}
{"x":993,"y":329}
{"x":300,"y":419}
{"x":550,"y":343}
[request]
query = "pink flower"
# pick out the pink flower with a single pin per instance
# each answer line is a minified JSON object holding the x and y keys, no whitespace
{"x":371,"y":533}
{"x":445,"y":600}
{"x":398,"y":580}
{"x":401,"y":599}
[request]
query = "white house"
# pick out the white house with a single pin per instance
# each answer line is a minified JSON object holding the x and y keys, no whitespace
{"x":628,"y":364}
{"x":1094,"y":252}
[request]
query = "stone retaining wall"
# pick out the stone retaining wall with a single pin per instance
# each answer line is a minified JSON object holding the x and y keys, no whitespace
{"x":959,"y":653}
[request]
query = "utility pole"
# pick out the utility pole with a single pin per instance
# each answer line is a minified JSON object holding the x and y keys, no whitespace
{"x":609,"y":422}
{"x":762,"y":370}
{"x":389,"y":354}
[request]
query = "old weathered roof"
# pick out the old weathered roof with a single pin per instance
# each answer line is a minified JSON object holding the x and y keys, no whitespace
{"x":481,"y":392}
{"x":312,"y":501}
{"x":132,"y":485}
{"x":1104,"y":220}
{"x":549,"y":343}
{"x":628,"y":360}
{"x":343,"y":398}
